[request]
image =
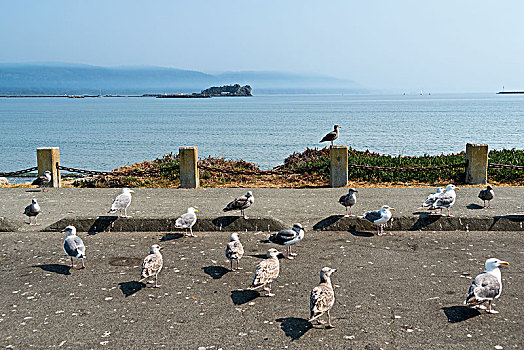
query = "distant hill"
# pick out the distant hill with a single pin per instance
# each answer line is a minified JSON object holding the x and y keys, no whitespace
{"x":66,"y":78}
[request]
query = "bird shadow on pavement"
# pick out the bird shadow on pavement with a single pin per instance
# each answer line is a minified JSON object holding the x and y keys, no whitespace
{"x":327,"y":222}
{"x":474,"y":206}
{"x":294,"y":327}
{"x":131,"y":287}
{"x":225,"y":221}
{"x":259,"y":256}
{"x":56,"y":268}
{"x":424,"y":219}
{"x":101,"y":224}
{"x":354,"y":232}
{"x":37,"y":190}
{"x":171,"y":236}
{"x":243,"y":296}
{"x":216,"y":272}
{"x":459,"y":313}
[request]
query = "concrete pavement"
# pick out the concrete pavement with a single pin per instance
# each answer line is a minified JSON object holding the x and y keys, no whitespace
{"x":156,"y":209}
{"x":400,"y":291}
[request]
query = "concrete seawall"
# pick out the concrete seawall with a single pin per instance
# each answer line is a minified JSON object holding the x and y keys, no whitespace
{"x":155,"y":210}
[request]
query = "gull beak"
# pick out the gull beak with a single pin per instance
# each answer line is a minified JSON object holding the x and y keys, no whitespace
{"x":457,"y":188}
{"x":131,"y":191}
{"x":504,"y":263}
{"x":391,"y":208}
{"x":196,"y":210}
{"x":334,"y":270}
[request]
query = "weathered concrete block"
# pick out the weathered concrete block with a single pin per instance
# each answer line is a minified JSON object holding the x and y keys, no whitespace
{"x":189,"y":176}
{"x":47,"y":159}
{"x":476,"y":163}
{"x":10,"y":225}
{"x":338,"y":159}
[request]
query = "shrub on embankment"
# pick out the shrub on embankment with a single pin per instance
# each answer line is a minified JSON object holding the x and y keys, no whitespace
{"x":311,"y":169}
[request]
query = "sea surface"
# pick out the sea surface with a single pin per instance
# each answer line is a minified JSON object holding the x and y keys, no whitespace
{"x":106,"y":133}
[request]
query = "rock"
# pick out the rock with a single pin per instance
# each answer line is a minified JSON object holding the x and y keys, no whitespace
{"x":228,"y":90}
{"x":3,"y":181}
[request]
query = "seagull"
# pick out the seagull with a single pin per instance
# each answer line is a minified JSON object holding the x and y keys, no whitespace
{"x":331,"y":136}
{"x":187,"y":221}
{"x":487,"y":286}
{"x":322,"y":297}
{"x":31,"y":210}
{"x":288,"y":237}
{"x":266,"y":272}
{"x":348,"y":200}
{"x":122,"y":202}
{"x":73,"y":245}
{"x":446,"y":199}
{"x":487,"y":195}
{"x":152,"y":264}
{"x":234,"y":250}
{"x":241,"y":203}
{"x":432,"y":198}
{"x":378,"y":217}
{"x":43,"y":181}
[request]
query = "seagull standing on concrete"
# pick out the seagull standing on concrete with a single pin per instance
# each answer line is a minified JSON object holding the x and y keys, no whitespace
{"x":348,"y":200}
{"x":122,"y":202}
{"x":187,"y":220}
{"x":267,"y":271}
{"x":446,"y":199}
{"x":152,"y":264}
{"x":332,"y":136}
{"x":322,"y":297}
{"x":241,"y":203}
{"x":378,"y":217}
{"x":487,"y":195}
{"x":74,"y":246}
{"x":32,"y":210}
{"x":487,"y":286}
{"x":43,"y":181}
{"x":288,"y":237}
{"x":234,"y":250}
{"x":432,"y":198}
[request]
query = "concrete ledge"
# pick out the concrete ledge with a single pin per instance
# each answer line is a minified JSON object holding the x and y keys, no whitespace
{"x":166,"y":224}
{"x":425,"y":223}
{"x":10,"y":225}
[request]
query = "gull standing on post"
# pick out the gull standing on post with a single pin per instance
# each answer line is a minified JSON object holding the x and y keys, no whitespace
{"x":122,"y":202}
{"x":31,"y":210}
{"x":487,"y":286}
{"x":378,"y":217}
{"x":241,"y":203}
{"x":152,"y":264}
{"x":446,"y":199}
{"x":288,"y":237}
{"x":234,"y":250}
{"x":74,"y":246}
{"x":487,"y":195}
{"x":187,"y":220}
{"x":43,"y":181}
{"x":322,"y":297}
{"x":332,"y":136}
{"x":267,"y":271}
{"x":348,"y":200}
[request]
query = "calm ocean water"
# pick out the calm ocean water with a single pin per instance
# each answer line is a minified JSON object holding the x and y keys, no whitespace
{"x":105,"y":133}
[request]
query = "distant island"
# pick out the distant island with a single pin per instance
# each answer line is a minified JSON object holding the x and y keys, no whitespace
{"x":228,"y":90}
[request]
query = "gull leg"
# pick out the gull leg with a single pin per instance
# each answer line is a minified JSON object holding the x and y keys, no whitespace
{"x":347,"y":215}
{"x":350,"y":213}
{"x":288,"y":253}
{"x":269,"y":294}
{"x":72,"y":264}
{"x":484,"y":203}
{"x":489,"y":204}
{"x":243,"y":214}
{"x":231,"y":262}
{"x":329,"y":321}
{"x":156,"y":281}
{"x":449,"y":213}
{"x":36,"y":223}
{"x":489,"y":308}
{"x":83,"y":265}
{"x":238,"y":268}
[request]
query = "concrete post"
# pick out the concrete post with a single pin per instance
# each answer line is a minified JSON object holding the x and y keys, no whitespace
{"x":47,"y":158}
{"x":189,"y":177}
{"x":476,"y":163}
{"x":338,"y":160}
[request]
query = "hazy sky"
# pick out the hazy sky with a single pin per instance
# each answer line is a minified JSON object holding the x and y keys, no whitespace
{"x":445,"y":45}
